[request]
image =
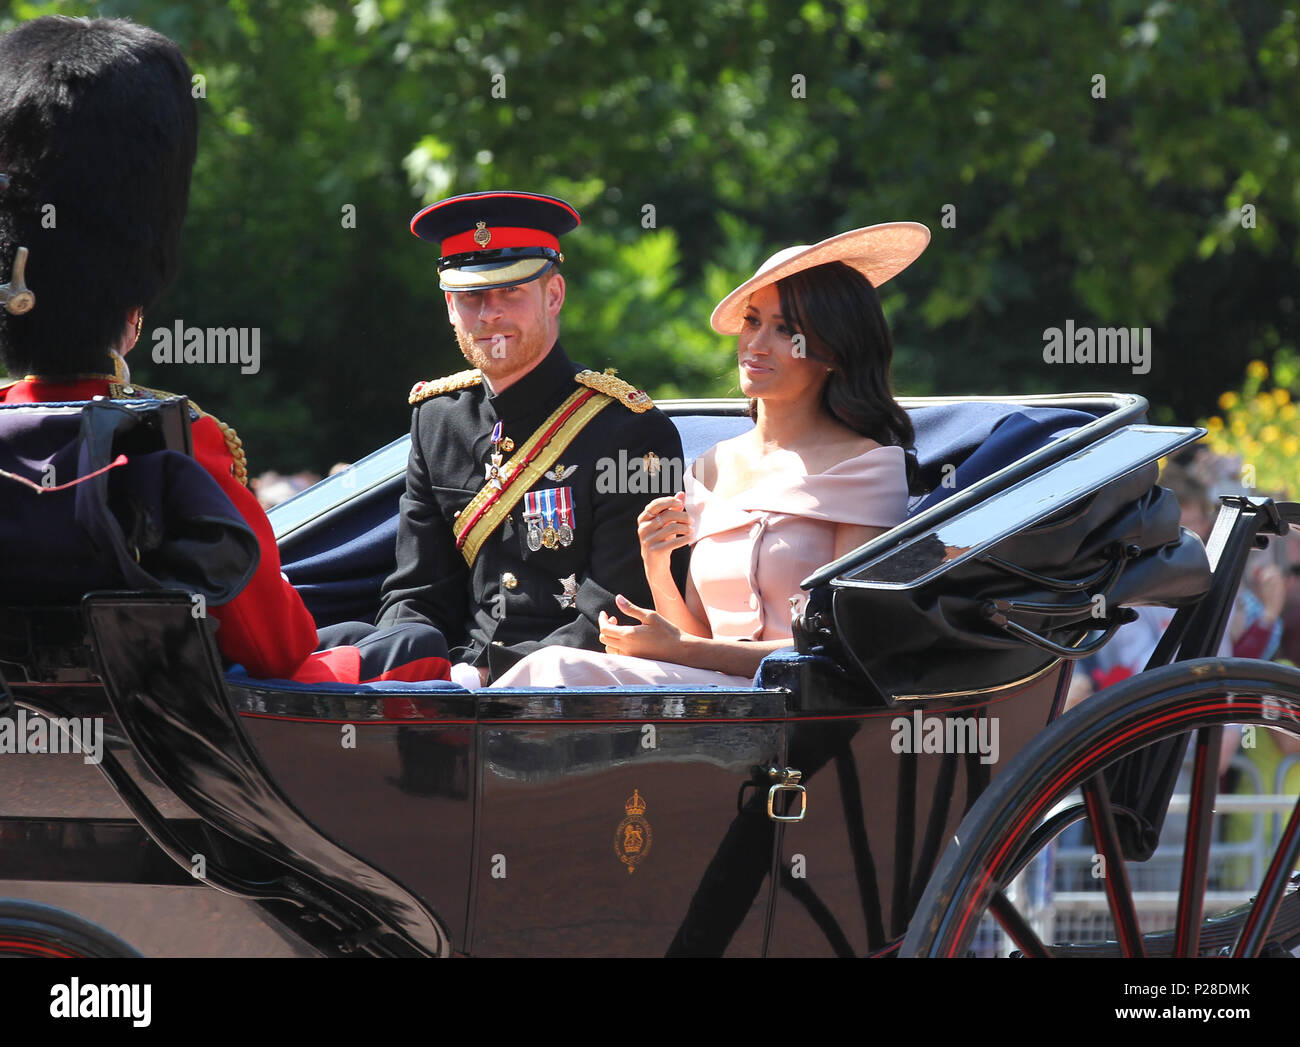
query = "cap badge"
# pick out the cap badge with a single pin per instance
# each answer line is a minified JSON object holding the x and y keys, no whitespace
{"x":482,"y":234}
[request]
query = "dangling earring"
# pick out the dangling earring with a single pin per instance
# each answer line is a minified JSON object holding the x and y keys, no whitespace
{"x":139,"y":324}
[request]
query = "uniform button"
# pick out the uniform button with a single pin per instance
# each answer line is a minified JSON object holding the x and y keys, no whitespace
{"x":509,"y":580}
{"x":753,"y":601}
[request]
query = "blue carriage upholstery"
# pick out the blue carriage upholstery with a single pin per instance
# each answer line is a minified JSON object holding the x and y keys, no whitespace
{"x":339,"y":568}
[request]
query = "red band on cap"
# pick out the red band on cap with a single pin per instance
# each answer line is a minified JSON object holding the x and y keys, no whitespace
{"x":502,"y":236}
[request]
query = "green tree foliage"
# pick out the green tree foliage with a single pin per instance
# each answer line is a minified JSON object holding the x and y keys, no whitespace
{"x":746,"y":125}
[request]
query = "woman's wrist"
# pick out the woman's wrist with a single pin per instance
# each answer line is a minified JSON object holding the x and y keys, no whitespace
{"x":661,"y":579}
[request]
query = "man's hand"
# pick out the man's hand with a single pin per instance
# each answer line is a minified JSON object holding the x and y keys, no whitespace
{"x":655,"y":637}
{"x":662,"y":527}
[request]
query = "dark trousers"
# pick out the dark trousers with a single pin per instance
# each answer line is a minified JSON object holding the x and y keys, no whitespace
{"x":410,"y":651}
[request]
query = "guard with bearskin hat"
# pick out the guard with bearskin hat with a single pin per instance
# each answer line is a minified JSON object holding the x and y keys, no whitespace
{"x":98,"y":134}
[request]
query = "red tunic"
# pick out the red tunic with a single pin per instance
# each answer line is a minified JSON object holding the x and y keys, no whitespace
{"x":266,"y":628}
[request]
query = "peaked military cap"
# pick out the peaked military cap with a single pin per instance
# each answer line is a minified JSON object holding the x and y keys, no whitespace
{"x":495,"y":239}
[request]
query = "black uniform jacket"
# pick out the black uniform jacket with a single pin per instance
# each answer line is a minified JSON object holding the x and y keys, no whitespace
{"x":513,"y":600}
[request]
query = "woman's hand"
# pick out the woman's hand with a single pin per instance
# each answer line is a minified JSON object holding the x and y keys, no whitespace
{"x":662,"y":527}
{"x":656,"y":637}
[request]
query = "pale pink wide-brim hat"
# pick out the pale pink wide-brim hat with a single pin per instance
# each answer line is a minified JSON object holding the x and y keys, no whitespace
{"x":878,"y":252}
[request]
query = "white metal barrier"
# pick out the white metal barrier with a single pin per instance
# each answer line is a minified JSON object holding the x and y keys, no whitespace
{"x":1062,"y":893}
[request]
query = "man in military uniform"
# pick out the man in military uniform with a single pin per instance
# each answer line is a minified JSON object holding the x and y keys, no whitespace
{"x":507,"y":541}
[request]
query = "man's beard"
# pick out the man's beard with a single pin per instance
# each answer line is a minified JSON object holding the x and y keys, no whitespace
{"x":516,"y":354}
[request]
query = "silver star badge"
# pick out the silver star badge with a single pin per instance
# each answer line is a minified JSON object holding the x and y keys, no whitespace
{"x":568,"y":598}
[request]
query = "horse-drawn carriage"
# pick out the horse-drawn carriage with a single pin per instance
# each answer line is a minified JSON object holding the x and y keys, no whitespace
{"x":878,"y":789}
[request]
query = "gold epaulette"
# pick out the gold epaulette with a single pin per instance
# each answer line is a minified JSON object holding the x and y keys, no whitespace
{"x":421,"y":391}
{"x":239,"y":470}
{"x":635,"y":400}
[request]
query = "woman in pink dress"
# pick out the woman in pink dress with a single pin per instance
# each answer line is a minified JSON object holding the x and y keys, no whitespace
{"x":825,"y":468}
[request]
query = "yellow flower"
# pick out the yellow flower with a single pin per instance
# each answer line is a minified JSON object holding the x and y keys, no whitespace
{"x":1228,"y":400}
{"x":1290,"y":446}
{"x":1270,"y":434}
{"x":1263,"y":403}
{"x":1288,"y":412}
{"x":1281,"y":396}
{"x":1257,"y":369}
{"x":1238,"y":427}
{"x":1214,"y":424}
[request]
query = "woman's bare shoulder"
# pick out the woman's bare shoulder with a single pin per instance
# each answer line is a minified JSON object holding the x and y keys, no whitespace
{"x":835,"y":452}
{"x":721,"y":456}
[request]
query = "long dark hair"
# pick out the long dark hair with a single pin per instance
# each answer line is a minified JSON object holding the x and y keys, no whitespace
{"x":98,"y":131}
{"x":838,"y":312}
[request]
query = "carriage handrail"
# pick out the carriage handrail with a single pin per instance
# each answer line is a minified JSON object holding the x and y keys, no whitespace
{"x":1126,"y":409}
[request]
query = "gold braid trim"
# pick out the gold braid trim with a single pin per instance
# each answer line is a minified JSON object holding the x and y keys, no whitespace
{"x":635,"y":400}
{"x":239,"y":465}
{"x":421,"y":391}
{"x":239,"y":468}
{"x":519,"y":477}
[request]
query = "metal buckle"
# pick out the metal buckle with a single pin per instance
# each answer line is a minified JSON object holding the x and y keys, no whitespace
{"x":787,"y":780}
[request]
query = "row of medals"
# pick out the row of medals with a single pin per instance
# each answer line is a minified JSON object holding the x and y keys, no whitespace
{"x":549,"y":535}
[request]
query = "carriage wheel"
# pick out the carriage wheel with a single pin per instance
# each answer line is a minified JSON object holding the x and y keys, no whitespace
{"x":29,"y":929}
{"x":1021,"y":814}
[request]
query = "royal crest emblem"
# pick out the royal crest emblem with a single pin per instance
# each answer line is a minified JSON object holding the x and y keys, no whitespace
{"x":633,"y":837}
{"x":482,"y":234}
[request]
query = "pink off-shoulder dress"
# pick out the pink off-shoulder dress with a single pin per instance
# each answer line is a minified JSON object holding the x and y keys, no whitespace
{"x":751,"y":551}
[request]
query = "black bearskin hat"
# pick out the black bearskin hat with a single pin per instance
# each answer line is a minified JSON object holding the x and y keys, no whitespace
{"x":98,"y":131}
